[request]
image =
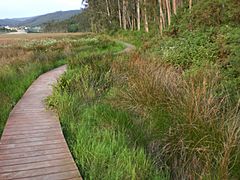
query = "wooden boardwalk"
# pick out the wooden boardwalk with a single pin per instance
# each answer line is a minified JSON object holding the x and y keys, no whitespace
{"x":32,"y":145}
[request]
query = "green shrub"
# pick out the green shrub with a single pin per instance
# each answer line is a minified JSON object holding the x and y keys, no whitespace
{"x":208,"y":13}
{"x":99,"y":145}
{"x":73,"y":28}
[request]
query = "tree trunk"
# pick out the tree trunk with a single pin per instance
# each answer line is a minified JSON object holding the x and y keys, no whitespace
{"x":92,"y":25}
{"x":168,"y":12}
{"x":119,"y":14}
{"x":108,"y":12}
{"x":161,"y":18}
{"x":133,"y":22}
{"x":174,"y":7}
{"x":138,"y":16}
{"x":145,"y":17}
{"x":124,"y":14}
{"x":155,"y":17}
{"x":130,"y":22}
{"x":190,"y":4}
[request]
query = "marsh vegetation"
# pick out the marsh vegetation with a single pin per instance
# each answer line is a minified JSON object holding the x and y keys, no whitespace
{"x":167,"y":110}
{"x":175,"y":99}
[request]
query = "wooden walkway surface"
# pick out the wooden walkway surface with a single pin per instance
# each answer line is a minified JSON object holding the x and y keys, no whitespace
{"x":32,"y":145}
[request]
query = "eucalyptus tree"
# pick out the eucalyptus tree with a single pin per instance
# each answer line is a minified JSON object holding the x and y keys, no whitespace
{"x":132,"y":14}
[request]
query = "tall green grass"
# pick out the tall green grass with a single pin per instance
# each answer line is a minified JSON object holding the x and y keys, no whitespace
{"x":99,"y":135}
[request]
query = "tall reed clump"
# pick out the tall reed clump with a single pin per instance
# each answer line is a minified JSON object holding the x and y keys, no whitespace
{"x":191,"y":128}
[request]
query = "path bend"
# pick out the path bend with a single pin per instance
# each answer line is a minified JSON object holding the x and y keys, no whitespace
{"x":32,"y":145}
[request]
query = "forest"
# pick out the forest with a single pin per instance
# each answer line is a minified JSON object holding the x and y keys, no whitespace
{"x":150,"y":15}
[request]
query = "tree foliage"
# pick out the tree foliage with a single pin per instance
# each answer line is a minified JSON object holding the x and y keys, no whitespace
{"x":133,"y":14}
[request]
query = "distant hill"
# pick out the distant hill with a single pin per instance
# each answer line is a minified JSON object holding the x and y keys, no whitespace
{"x":77,"y":23}
{"x":8,"y":22}
{"x":39,"y":20}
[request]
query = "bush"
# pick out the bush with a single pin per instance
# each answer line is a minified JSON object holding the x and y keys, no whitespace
{"x":73,"y":28}
{"x":209,"y":13}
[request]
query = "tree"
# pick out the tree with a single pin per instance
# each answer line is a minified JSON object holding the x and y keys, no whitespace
{"x":161,"y":17}
{"x":73,"y":28}
{"x":108,"y":10}
{"x":174,"y":7}
{"x":119,"y":14}
{"x":138,"y":15}
{"x":124,"y":14}
{"x":190,"y":4}
{"x":131,"y":14}
{"x":168,"y":11}
{"x":145,"y":16}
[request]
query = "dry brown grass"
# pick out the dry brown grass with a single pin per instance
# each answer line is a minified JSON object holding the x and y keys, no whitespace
{"x":202,"y":140}
{"x":16,"y":38}
{"x":11,"y":55}
{"x":148,"y":84}
{"x":15,"y":49}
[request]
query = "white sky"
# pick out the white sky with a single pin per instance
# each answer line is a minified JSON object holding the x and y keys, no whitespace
{"x":28,"y":8}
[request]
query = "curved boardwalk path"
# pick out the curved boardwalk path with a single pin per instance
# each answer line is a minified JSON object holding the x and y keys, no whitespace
{"x":32,"y":145}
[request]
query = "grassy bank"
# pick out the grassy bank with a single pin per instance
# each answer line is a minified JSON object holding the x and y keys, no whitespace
{"x":141,"y":118}
{"x":185,"y":87}
{"x":174,"y":102}
{"x":98,"y":133}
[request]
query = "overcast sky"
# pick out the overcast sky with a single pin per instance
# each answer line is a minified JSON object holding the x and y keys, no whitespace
{"x":27,"y":8}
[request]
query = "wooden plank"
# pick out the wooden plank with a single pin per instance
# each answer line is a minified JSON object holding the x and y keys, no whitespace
{"x":35,"y":165}
{"x":56,"y":176}
{"x":8,"y":147}
{"x":29,"y":124}
{"x":19,"y":128}
{"x":31,"y":154}
{"x":27,"y":160}
{"x":23,"y":136}
{"x":25,"y":120}
{"x":23,"y":125}
{"x":30,"y":131}
{"x":29,"y":139}
{"x":37,"y":172}
{"x":33,"y":148}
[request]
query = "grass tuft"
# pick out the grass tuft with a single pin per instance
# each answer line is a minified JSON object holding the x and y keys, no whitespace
{"x":191,"y":127}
